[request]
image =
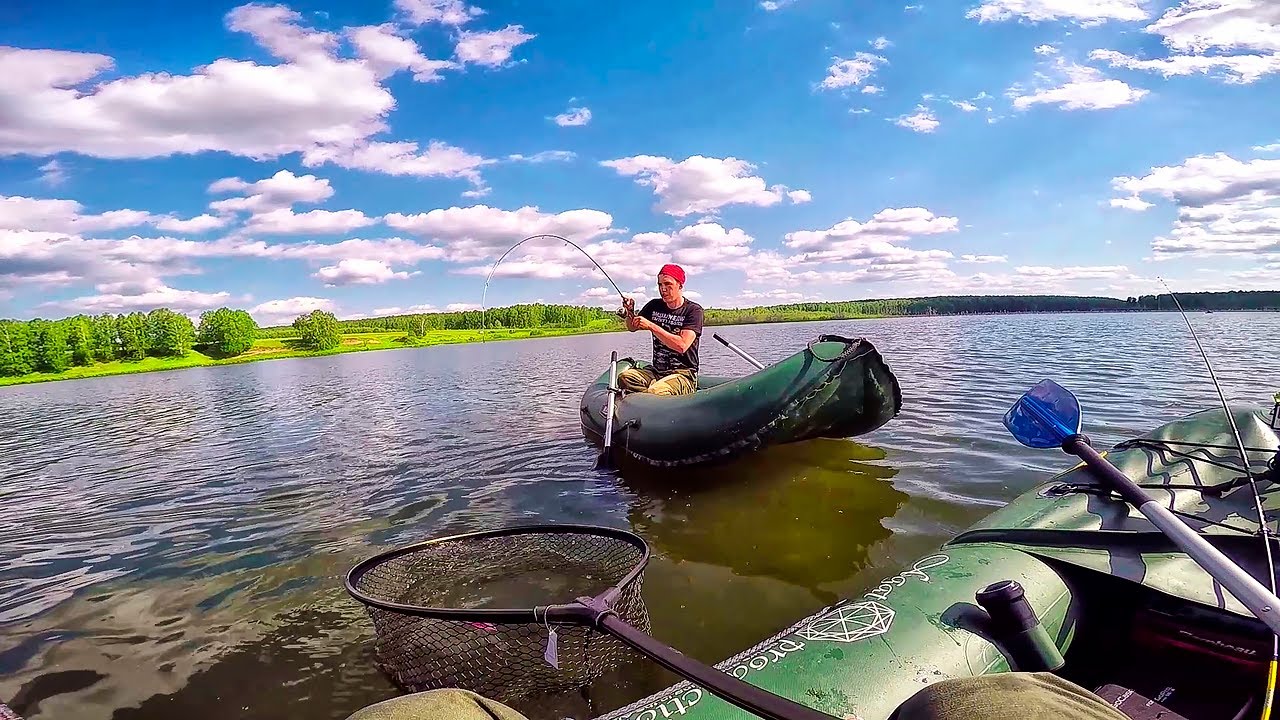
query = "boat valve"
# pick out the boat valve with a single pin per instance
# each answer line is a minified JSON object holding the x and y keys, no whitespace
{"x":1015,"y":626}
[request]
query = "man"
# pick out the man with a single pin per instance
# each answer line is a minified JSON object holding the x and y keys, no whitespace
{"x":676,"y":324}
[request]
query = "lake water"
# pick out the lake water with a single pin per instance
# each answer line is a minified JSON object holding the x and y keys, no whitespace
{"x":174,"y":543}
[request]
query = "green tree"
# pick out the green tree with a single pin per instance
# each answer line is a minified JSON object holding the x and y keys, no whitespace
{"x":318,"y":331}
{"x":227,"y":332}
{"x":131,"y":334}
{"x":105,"y":341}
{"x":50,"y":343}
{"x":80,"y":337}
{"x":17,"y":356}
{"x":169,"y":334}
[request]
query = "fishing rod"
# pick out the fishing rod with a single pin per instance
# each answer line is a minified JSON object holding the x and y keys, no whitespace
{"x":1257,"y":500}
{"x":485,"y":293}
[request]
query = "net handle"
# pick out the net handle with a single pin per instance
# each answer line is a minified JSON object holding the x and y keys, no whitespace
{"x":494,"y":615}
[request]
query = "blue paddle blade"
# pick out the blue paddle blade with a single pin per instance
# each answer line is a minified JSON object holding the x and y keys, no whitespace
{"x":1044,"y":416}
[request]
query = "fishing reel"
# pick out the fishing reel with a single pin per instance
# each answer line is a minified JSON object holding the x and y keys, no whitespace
{"x":628,"y":308}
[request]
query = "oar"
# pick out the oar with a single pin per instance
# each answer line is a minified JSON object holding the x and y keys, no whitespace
{"x":1048,"y":415}
{"x":605,"y":461}
{"x":741,"y":353}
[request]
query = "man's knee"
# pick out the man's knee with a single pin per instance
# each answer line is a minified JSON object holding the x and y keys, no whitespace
{"x":634,"y":379}
{"x":674,"y":384}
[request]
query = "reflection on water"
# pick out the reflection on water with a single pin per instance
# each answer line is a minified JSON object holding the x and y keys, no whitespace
{"x":175,"y":543}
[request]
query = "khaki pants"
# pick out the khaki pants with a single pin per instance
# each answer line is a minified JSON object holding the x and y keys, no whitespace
{"x":680,"y":382}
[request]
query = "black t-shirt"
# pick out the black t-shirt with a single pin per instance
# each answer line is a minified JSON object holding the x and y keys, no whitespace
{"x":687,"y":316}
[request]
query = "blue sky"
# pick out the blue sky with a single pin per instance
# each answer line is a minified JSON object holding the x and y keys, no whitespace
{"x":375,"y":157}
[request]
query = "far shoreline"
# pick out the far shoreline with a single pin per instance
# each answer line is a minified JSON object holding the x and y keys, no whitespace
{"x":273,"y":348}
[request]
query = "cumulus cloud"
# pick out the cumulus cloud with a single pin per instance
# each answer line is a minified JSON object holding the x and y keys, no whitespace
{"x":878,"y":241}
{"x":387,"y":53}
{"x":481,"y":232}
{"x":1075,"y":87}
{"x":53,"y":173}
{"x":282,"y":190}
{"x":1236,"y":41}
{"x":984,"y":258}
{"x":149,"y":298}
{"x":574,"y":117}
{"x":1085,"y":13}
{"x":445,"y":12}
{"x":544,"y":156}
{"x":698,"y":184}
{"x":1225,"y":206}
{"x":492,"y":48}
{"x":47,"y":215}
{"x":922,"y":120}
{"x":285,"y":221}
{"x":851,"y":72}
{"x":1046,"y":50}
{"x":871,"y":89}
{"x":314,"y":101}
{"x":358,"y":271}
{"x":1074,"y":272}
{"x":880,"y":43}
{"x":196,"y":225}
{"x":282,"y":312}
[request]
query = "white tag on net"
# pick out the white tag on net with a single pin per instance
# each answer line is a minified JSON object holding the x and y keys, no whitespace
{"x":550,"y":655}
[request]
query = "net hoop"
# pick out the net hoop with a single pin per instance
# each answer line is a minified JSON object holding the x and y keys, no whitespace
{"x":496,"y":615}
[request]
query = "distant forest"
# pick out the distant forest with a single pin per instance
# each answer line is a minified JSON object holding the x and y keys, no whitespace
{"x":537,"y":315}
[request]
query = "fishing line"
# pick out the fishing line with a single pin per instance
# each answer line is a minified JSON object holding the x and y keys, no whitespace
{"x":1257,"y":500}
{"x":483,"y":295}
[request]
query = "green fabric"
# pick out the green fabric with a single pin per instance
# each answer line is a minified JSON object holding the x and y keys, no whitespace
{"x":1006,"y":696}
{"x":447,"y":704}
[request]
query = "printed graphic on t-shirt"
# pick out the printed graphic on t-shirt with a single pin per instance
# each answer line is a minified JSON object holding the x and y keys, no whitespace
{"x":688,"y":315}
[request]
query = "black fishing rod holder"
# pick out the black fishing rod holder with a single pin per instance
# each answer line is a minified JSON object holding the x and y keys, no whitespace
{"x":1016,"y":628}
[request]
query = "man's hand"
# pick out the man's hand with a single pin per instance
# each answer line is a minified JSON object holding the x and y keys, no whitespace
{"x":643,"y":323}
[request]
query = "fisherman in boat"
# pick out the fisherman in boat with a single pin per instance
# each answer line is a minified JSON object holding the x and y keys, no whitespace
{"x":676,"y":324}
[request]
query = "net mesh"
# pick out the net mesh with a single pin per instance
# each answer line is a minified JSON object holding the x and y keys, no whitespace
{"x":503,"y":661}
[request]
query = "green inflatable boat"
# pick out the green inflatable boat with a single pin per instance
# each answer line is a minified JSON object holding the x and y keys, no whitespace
{"x":835,"y":387}
{"x":1120,"y":610}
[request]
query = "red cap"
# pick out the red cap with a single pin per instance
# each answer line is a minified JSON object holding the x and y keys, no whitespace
{"x":675,"y":271}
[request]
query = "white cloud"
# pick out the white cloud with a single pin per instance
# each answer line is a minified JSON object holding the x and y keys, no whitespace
{"x":698,"y":184}
{"x":774,"y":296}
{"x":314,"y":101}
{"x":871,"y":89}
{"x":880,"y":43}
{"x":358,"y":271}
{"x":859,"y":111}
{"x":853,"y":71}
{"x":875,"y":242}
{"x":480,"y":232}
{"x":574,"y":117}
{"x":1085,"y":13}
{"x":1273,"y":147}
{"x":461,"y":307}
{"x":1046,"y":50}
{"x":800,"y":196}
{"x":411,"y":310}
{"x":922,"y":120}
{"x":1237,"y":41}
{"x":1136,"y":204}
{"x":196,"y":225}
{"x":52,"y":173}
{"x":984,"y":258}
{"x":282,"y":312}
{"x":1075,"y":272}
{"x":151,"y":297}
{"x":1225,"y":206}
{"x":282,"y":190}
{"x":445,"y":12}
{"x":1081,"y":88}
{"x":44,"y":215}
{"x":544,"y":156}
{"x":772,"y":5}
{"x":285,"y":221}
{"x":387,"y":53}
{"x":491,"y":48}
{"x":1232,"y":69}
{"x":440,"y":159}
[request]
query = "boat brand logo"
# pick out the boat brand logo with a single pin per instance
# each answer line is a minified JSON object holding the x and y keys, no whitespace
{"x":850,"y":623}
{"x":917,"y":571}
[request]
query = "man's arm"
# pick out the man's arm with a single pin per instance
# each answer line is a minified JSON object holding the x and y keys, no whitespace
{"x":679,"y":343}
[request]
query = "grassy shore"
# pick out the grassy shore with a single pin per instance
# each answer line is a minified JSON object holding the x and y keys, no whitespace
{"x":275,"y":348}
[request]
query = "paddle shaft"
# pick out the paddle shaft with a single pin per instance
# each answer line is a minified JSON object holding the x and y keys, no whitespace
{"x":741,"y":353}
{"x":608,"y":420}
{"x":758,"y":701}
{"x":1252,"y":594}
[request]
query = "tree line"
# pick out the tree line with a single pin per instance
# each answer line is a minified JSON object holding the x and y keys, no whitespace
{"x":42,"y":345}
{"x":55,"y":345}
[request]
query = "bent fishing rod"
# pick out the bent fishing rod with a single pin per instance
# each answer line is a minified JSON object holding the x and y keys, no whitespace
{"x":485,"y":293}
{"x":1257,"y":502}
